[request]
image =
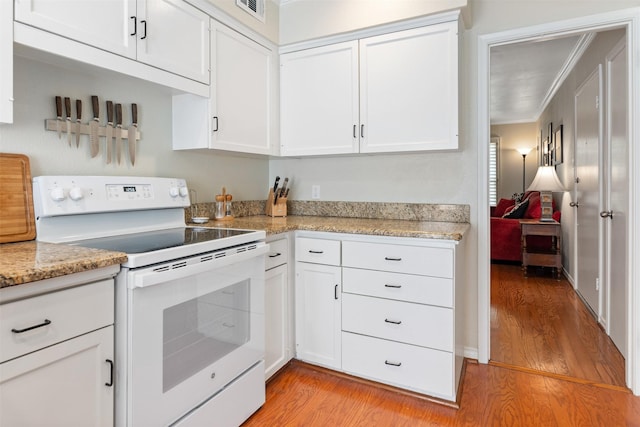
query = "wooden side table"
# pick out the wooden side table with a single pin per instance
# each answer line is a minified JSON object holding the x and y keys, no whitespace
{"x":551,"y":257}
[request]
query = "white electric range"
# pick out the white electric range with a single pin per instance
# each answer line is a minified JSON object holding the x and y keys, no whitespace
{"x":189,"y":328}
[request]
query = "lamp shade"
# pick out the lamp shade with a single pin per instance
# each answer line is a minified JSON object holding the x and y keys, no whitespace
{"x":546,"y":180}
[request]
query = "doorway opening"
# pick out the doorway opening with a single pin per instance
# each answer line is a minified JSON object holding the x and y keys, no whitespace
{"x":627,"y":20}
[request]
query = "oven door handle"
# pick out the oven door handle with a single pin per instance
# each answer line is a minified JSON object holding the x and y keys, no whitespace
{"x":182,"y":268}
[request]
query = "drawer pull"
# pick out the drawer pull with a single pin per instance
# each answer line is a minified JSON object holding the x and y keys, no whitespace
{"x":316,"y":252}
{"x":389,"y":285}
{"x":277,"y":254}
{"x":395,"y":322}
{"x":19,"y":331}
{"x":387,"y":258}
{"x":386,"y":362}
{"x":110,"y":383}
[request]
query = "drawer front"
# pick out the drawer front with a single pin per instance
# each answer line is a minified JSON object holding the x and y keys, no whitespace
{"x":397,"y":286}
{"x":319,"y":251}
{"x":405,"y":322}
{"x":416,"y":368}
{"x":72,"y":312}
{"x":278,"y":253}
{"x":437,"y":262}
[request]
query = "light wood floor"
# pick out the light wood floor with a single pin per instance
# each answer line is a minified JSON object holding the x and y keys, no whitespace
{"x":491,"y":396}
{"x":540,"y":323}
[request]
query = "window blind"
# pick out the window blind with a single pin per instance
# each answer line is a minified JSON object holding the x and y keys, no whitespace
{"x":493,"y":171}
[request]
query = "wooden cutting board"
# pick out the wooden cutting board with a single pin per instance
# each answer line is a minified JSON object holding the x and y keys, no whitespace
{"x":17,"y":222}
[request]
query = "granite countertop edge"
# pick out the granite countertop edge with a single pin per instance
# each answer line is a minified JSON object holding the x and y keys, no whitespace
{"x":25,"y":262}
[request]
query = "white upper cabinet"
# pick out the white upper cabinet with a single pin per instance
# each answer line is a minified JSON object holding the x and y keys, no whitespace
{"x":168,"y":34}
{"x":395,"y":92}
{"x":174,"y":36}
{"x":104,"y":24}
{"x":319,"y":100}
{"x":242,"y":82}
{"x":409,"y":90}
{"x":241,"y":113}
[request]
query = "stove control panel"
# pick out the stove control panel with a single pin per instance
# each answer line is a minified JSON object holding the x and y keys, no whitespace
{"x":76,"y":195}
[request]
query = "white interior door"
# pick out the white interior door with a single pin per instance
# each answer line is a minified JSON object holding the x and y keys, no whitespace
{"x":587,"y":188}
{"x":618,"y":196}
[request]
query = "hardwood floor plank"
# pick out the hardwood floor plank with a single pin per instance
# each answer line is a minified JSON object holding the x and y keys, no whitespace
{"x":492,"y":396}
{"x":540,"y":323}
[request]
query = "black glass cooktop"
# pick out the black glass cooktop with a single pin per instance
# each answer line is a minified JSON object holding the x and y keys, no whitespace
{"x":162,"y":239}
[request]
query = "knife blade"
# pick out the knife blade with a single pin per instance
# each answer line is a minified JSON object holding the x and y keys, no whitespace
{"x":59,"y":116}
{"x":109,"y":130}
{"x":118,"y":132}
{"x":67,"y":113}
{"x":78,"y":121}
{"x":93,"y":127}
{"x":132,"y":133}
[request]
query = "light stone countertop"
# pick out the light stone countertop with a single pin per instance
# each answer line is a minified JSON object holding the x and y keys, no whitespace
{"x":377,"y":227}
{"x":25,"y":262}
{"x":31,"y":261}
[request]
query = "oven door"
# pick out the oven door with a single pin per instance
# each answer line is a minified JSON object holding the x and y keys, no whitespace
{"x":191,"y":334}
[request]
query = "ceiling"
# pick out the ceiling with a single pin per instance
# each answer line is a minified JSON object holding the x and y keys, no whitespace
{"x":526,"y":75}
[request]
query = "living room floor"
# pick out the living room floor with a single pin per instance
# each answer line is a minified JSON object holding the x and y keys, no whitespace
{"x":541,"y":324}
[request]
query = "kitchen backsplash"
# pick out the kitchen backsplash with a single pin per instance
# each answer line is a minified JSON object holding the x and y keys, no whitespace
{"x":378,"y":210}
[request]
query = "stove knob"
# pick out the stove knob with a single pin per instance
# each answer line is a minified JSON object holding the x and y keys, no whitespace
{"x":173,"y":191}
{"x":76,"y":194}
{"x":57,"y":194}
{"x":184,"y":192}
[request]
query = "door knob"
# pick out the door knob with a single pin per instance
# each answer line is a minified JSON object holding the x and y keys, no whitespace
{"x":606,"y":214}
{"x":574,"y":204}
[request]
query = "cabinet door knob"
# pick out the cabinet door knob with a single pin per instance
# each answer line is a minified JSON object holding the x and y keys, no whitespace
{"x":389,"y":285}
{"x":386,"y":362}
{"x":606,"y":214}
{"x":335,"y":292}
{"x":316,"y":252}
{"x":388,"y":258}
{"x":395,"y":322}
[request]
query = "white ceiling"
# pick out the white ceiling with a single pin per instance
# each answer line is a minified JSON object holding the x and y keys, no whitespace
{"x":525,"y":76}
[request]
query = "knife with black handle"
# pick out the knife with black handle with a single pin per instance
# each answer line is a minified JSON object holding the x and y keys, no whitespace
{"x":118,"y":132}
{"x":78,"y":120}
{"x":109,"y":130}
{"x":275,"y":190}
{"x":93,"y":127}
{"x":67,"y":114}
{"x":59,"y":116}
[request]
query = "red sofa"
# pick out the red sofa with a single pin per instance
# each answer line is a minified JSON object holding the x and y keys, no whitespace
{"x":505,"y":232}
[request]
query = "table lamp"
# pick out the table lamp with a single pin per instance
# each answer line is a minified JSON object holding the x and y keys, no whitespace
{"x":546,"y":181}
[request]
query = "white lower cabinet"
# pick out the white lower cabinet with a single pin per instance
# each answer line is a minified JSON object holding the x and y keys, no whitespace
{"x":318,"y":333}
{"x":278,"y":316}
{"x":56,"y":358}
{"x":400,"y":303}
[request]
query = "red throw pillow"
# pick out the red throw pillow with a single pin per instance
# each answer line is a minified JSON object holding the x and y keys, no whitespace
{"x":534,"y":210}
{"x":502,"y":206}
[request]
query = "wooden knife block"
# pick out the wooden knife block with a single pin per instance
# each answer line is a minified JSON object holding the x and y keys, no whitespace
{"x":279,"y":209}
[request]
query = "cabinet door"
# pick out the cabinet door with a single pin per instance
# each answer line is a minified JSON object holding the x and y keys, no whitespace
{"x":319,"y":100}
{"x":409,"y":90}
{"x":276,"y":293}
{"x":174,"y":36}
{"x":104,"y":24}
{"x":241,"y":93}
{"x":318,"y":329}
{"x":61,"y":385}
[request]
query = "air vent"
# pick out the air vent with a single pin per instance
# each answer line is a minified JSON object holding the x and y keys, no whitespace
{"x":179,"y":265}
{"x":161,"y":269}
{"x":254,"y":8}
{"x":206,"y":258}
